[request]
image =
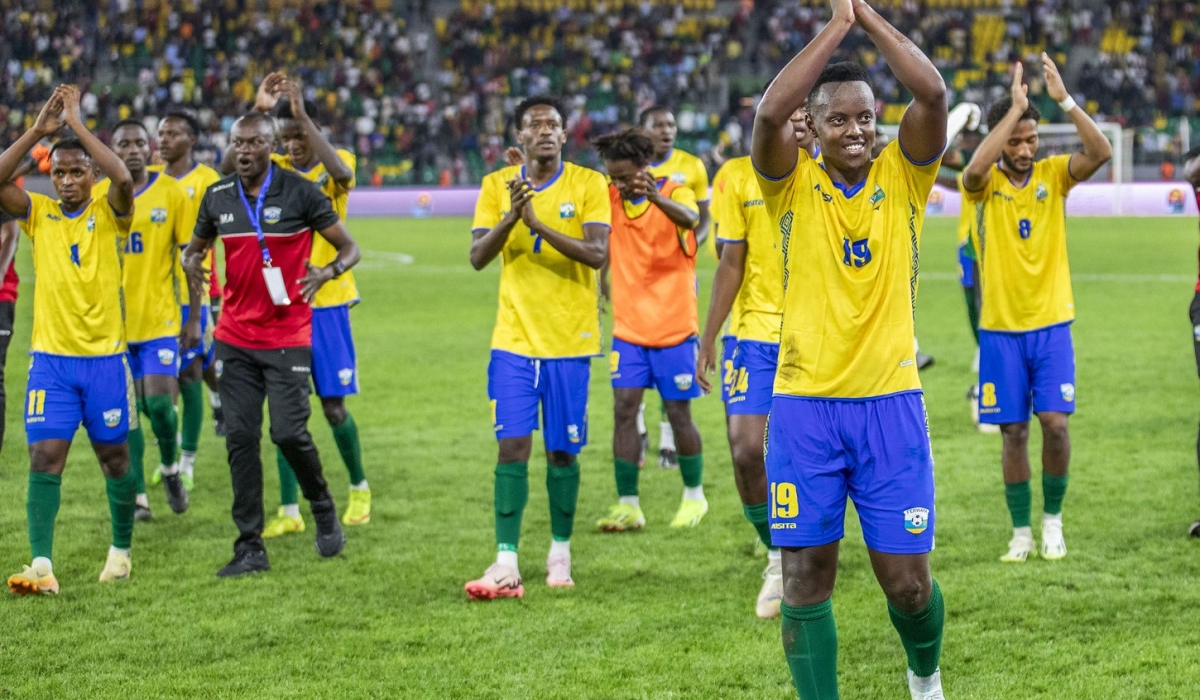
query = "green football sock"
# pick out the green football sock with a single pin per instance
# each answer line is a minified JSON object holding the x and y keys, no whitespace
{"x":810,"y":645}
{"x":562,"y":483}
{"x":165,"y":425}
{"x":757,"y":515}
{"x":137,"y":452}
{"x":627,"y":477}
{"x":345,"y":434}
{"x":41,"y":508}
{"x":1020,"y":500}
{"x":289,"y":488}
{"x":191,"y":401}
{"x":1054,"y":488}
{"x":121,"y":506}
{"x":921,"y":633}
{"x":511,"y":495}
{"x":691,"y":468}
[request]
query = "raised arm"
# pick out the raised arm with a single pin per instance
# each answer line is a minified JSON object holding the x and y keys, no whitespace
{"x":679,"y":214}
{"x":120,"y":191}
{"x":348,"y":256}
{"x":1096,"y":149}
{"x":773,"y":141}
{"x":269,"y":92}
{"x":13,"y":199}
{"x":979,"y":170}
{"x":326,"y":153}
{"x":923,"y":128}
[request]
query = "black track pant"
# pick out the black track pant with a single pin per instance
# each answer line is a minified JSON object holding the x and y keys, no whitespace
{"x":6,"y":331}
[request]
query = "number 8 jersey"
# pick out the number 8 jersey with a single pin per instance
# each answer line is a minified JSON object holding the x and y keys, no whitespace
{"x":1020,"y":236}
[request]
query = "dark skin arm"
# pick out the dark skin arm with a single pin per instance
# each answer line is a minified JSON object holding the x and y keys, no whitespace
{"x":10,"y":232}
{"x":1096,"y":150}
{"x":701,"y":227}
{"x":120,"y":192}
{"x":645,"y":186}
{"x":591,"y":250}
{"x":194,"y":256}
{"x":923,"y":127}
{"x":773,"y":141}
{"x":347,"y":254}
{"x":727,"y":281}
{"x":325,"y":152}
{"x":486,"y":245}
{"x":979,"y":171}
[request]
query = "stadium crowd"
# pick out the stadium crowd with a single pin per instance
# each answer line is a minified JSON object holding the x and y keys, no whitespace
{"x":423,"y":98}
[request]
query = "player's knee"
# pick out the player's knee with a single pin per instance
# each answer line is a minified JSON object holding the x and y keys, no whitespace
{"x":625,"y":408}
{"x":1015,"y":434}
{"x":114,"y":463}
{"x":297,"y":439}
{"x":746,"y":453}
{"x":335,"y":412}
{"x":515,"y":449}
{"x":909,"y":592}
{"x":1054,"y":426}
{"x":679,"y":413}
{"x":558,"y":458}
{"x":46,"y":461}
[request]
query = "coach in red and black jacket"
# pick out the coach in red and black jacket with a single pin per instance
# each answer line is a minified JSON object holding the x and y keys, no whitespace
{"x":266,"y":217}
{"x":1191,"y":173}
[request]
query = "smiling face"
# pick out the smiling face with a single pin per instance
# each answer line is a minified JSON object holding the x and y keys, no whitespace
{"x":175,"y":139}
{"x":661,"y":127}
{"x":541,"y":132}
{"x":1021,"y":147}
{"x":132,"y":145}
{"x":73,"y":175}
{"x":843,"y":117}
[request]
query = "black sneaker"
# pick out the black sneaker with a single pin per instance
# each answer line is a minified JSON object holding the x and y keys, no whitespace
{"x":243,"y":563}
{"x":668,"y":459}
{"x":643,"y":448}
{"x":177,"y":495}
{"x":219,"y":422}
{"x":1194,"y":530}
{"x":330,"y":538}
{"x":142,"y":514}
{"x":924,"y":361}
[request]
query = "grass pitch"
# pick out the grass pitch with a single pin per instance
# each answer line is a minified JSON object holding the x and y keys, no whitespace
{"x":656,"y":614}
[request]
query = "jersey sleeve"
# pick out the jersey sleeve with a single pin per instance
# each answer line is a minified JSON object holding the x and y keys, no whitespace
{"x":920,"y":176}
{"x":982,"y":193}
{"x":1059,"y":168}
{"x":779,"y":192}
{"x":206,"y":224}
{"x":37,"y":205}
{"x":182,"y":205}
{"x":487,"y":207}
{"x":729,"y":218}
{"x":698,"y":180}
{"x":597,"y":208}
{"x":318,"y":209}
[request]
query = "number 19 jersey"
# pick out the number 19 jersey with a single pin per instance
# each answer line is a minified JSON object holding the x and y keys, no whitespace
{"x":1020,"y":238}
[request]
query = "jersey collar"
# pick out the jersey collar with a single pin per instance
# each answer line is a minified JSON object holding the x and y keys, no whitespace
{"x":665,"y":158}
{"x":151,"y":177}
{"x":81,"y":209}
{"x":561,"y":166}
{"x":847,"y":192}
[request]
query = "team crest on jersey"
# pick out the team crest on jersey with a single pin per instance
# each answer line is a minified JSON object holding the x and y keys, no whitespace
{"x":678,"y":178}
{"x":191,"y":192}
{"x":1068,"y":392}
{"x":1042,"y":193}
{"x":271,"y":215}
{"x":566,"y":210}
{"x":322,"y":179}
{"x":878,"y":195}
{"x":916,"y":520}
{"x":683,"y":382}
{"x":346,"y":375}
{"x":91,"y":224}
{"x":166,"y":356}
{"x":112,"y":417}
{"x":573,"y":433}
{"x":219,"y":368}
{"x":158,"y":215}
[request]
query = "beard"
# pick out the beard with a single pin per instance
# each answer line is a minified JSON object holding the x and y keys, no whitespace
{"x":1013,"y":166}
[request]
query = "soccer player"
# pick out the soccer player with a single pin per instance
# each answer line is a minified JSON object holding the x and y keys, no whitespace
{"x":848,"y":417}
{"x":78,"y":373}
{"x":335,"y":367}
{"x":1026,"y":356}
{"x":750,"y":279}
{"x":683,"y":168}
{"x":266,"y":217}
{"x":1191,"y":173}
{"x":152,"y":295}
{"x":652,"y":260}
{"x":177,"y":133}
{"x":548,"y":221}
{"x":9,"y":231}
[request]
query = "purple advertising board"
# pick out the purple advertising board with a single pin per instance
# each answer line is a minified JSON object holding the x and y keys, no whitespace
{"x":1087,"y":199}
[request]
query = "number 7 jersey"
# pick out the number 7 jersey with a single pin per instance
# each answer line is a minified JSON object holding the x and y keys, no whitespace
{"x":1020,"y":237}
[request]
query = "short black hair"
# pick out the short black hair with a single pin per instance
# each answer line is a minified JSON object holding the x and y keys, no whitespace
{"x":254,"y":116}
{"x":70,"y":145}
{"x":284,"y":109}
{"x":996,"y":112}
{"x":632,"y":144}
{"x":187,"y":117}
{"x":540,"y":101}
{"x":131,"y":122}
{"x":844,"y":72}
{"x":650,"y":112}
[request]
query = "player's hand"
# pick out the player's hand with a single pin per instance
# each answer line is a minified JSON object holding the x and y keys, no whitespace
{"x":189,"y":335}
{"x":1020,"y":91}
{"x":1054,"y":81}
{"x":269,"y":92}
{"x":50,"y":119}
{"x":295,"y":95}
{"x":312,"y":281}
{"x":520,"y":193}
{"x":644,"y":185}
{"x":843,"y":8}
{"x":514,"y":156}
{"x":69,"y":94}
{"x":706,"y":363}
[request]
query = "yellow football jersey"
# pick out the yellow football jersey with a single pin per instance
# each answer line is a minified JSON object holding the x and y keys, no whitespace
{"x":195,"y":183}
{"x":343,"y":290}
{"x":744,"y":221}
{"x":966,"y":217}
{"x":686,"y":169}
{"x":1020,"y":237}
{"x":77,"y":304}
{"x":847,"y":329}
{"x":717,"y":210}
{"x":549,"y":304}
{"x":153,"y":279}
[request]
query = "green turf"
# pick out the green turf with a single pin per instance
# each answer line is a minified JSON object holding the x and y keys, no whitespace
{"x":658,"y":614}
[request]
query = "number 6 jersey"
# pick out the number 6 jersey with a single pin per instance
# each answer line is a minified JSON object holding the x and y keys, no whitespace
{"x":1020,"y":236}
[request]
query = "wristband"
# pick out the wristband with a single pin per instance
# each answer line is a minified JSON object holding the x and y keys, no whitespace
{"x":1068,"y":104}
{"x":338,"y":268}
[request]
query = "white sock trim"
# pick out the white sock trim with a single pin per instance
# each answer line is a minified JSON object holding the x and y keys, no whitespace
{"x":557,"y":548}
{"x":1023,"y":532}
{"x":291,"y":510}
{"x":693,"y":493}
{"x":361,"y":486}
{"x":142,"y":500}
{"x":629,"y":501}
{"x":117,"y":550}
{"x":507,"y":558}
{"x":43,"y":561}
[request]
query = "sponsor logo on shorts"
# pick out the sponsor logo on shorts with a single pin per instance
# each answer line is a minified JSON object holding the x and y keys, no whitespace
{"x":683,"y":382}
{"x":301,"y":368}
{"x":566,"y":210}
{"x":916,"y":520}
{"x":783,"y":526}
{"x":158,"y":215}
{"x":1068,"y":392}
{"x":166,"y":356}
{"x":112,"y":417}
{"x":219,"y":367}
{"x":573,"y":433}
{"x":271,"y":215}
{"x":346,"y":375}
